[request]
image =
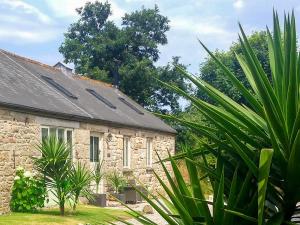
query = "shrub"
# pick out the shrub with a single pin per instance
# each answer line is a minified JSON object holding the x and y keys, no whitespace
{"x":80,"y":180}
{"x":98,"y":175}
{"x":28,"y":193}
{"x":117,"y":181}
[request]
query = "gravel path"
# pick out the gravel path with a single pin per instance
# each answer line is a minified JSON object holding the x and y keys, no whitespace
{"x":154,"y":217}
{"x":139,"y":207}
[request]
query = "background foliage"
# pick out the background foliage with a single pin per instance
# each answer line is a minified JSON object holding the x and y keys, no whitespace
{"x":214,"y":75}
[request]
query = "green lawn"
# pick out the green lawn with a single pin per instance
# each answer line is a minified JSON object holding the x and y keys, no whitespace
{"x":84,"y":214}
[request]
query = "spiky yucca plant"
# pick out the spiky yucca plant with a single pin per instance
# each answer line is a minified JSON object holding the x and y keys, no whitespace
{"x":55,"y":164}
{"x":255,"y":180}
{"x":80,"y":179}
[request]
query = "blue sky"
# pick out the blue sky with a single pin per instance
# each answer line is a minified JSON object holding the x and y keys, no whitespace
{"x":34,"y":28}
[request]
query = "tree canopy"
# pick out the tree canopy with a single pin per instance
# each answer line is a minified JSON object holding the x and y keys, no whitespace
{"x":122,"y":55}
{"x":213,"y":74}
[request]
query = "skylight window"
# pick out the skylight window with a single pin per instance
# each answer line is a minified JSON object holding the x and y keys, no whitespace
{"x":59,"y":87}
{"x":131,"y":106}
{"x":102,"y":99}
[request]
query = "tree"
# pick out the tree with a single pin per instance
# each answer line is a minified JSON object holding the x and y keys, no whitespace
{"x":167,"y":101}
{"x":123,"y":55}
{"x":55,"y":164}
{"x":64,"y":180}
{"x":213,"y":74}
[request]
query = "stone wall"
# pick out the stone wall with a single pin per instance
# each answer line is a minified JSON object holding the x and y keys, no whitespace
{"x":19,"y":133}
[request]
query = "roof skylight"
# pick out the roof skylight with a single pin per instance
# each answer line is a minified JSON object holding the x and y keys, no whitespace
{"x":59,"y":87}
{"x":101,"y":98}
{"x":131,"y":106}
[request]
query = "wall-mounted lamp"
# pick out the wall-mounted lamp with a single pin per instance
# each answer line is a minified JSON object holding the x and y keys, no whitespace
{"x":109,"y":137}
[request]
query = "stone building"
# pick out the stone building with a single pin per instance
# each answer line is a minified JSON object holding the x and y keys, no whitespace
{"x":99,"y":121}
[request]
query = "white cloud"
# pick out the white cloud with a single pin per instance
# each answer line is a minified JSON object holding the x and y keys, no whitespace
{"x":21,"y":22}
{"x":238,"y":4}
{"x":66,"y":8}
{"x":205,"y":27}
{"x":27,"y":9}
{"x":26,"y":36}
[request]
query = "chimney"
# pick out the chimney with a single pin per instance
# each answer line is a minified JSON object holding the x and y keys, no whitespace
{"x":64,"y":69}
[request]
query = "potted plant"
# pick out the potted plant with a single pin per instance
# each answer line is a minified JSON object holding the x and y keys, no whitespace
{"x":117,"y":182}
{"x":98,"y":199}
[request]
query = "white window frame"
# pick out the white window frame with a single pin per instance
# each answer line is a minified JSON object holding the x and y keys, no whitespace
{"x":127,"y":138}
{"x":65,"y":135}
{"x":149,"y":150}
{"x":44,"y":127}
{"x":101,"y":158}
{"x":100,"y":146}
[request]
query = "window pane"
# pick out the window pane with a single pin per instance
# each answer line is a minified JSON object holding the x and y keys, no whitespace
{"x":91,"y":148}
{"x":45,"y":133}
{"x":69,"y":137}
{"x":126,"y":152}
{"x":53,"y":132}
{"x":96,"y":149}
{"x":60,"y":134}
{"x":69,"y":142}
{"x":148,"y":151}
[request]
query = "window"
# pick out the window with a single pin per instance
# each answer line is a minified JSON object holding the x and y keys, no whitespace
{"x":131,"y":106}
{"x":59,"y":87}
{"x":149,"y":152}
{"x":70,"y":141}
{"x":45,"y":132}
{"x":61,"y":133}
{"x":102,"y":99}
{"x":94,"y":149}
{"x":126,"y":152}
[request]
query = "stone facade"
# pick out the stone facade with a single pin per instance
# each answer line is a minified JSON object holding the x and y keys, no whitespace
{"x":20,"y":132}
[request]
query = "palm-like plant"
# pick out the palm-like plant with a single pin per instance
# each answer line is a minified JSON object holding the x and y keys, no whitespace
{"x":80,"y":179}
{"x":116,"y":181}
{"x":98,"y":175}
{"x":55,"y":164}
{"x":255,"y":180}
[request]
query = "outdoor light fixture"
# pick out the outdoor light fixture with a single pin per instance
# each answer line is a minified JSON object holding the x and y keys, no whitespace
{"x":109,"y":137}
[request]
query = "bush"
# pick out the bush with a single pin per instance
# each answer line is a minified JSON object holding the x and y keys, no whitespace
{"x":116,"y":181}
{"x":28,"y":193}
{"x":80,"y":179}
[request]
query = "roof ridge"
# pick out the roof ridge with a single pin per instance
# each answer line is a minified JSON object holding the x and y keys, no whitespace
{"x":83,"y":77}
{"x":29,"y":60}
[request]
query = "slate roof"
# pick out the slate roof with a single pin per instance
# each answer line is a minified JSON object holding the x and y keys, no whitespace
{"x":23,"y":88}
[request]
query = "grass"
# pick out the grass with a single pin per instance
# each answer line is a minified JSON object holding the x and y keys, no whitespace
{"x":84,"y":214}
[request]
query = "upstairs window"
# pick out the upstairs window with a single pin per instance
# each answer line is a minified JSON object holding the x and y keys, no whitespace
{"x":126,"y":152}
{"x":149,"y":152}
{"x":94,"y":149}
{"x":59,"y":87}
{"x":131,"y":106}
{"x":101,"y":98}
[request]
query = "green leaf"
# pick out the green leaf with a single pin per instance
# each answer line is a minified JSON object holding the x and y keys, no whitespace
{"x":219,"y":202}
{"x":263,"y":175}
